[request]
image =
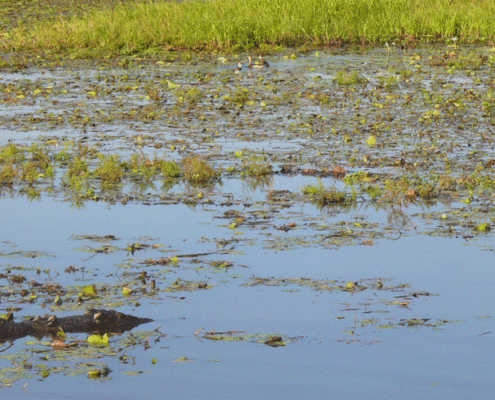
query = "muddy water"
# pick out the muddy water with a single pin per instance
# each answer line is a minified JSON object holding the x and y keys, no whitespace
{"x":259,"y":292}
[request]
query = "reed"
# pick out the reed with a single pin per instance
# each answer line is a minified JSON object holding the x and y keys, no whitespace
{"x":245,"y":24}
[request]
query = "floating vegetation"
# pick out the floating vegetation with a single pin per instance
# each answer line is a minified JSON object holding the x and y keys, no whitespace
{"x":96,"y":238}
{"x":257,"y":167}
{"x":417,"y":322}
{"x":44,"y":358}
{"x":349,"y":79}
{"x":26,"y":254}
{"x":271,"y":340}
{"x":181,"y":285}
{"x":331,"y":285}
{"x":182,"y":360}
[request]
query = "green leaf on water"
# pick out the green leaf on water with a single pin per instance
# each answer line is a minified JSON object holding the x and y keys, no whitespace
{"x":182,"y":359}
{"x":371,"y":141}
{"x":89,"y":290}
{"x":483,"y":227}
{"x":98,"y":339}
{"x":126,"y":291}
{"x":94,"y":373}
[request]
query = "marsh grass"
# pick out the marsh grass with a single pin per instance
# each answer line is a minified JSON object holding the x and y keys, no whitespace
{"x":246,"y":24}
{"x":198,"y":172}
{"x":256,"y":166}
{"x":110,"y":171}
{"x":29,"y":164}
{"x":322,"y":196}
{"x":349,"y":79}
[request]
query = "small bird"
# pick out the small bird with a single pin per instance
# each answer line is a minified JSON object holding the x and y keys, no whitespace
{"x":263,"y":62}
{"x":239,"y":68}
{"x":250,"y":65}
{"x":257,"y":65}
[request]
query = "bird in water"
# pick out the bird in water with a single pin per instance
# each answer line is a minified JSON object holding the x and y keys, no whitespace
{"x":239,"y":68}
{"x":250,"y":65}
{"x":259,"y":65}
{"x":263,"y":62}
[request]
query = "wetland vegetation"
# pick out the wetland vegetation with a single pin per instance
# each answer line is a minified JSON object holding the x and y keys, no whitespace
{"x":341,"y":196}
{"x":240,"y":25}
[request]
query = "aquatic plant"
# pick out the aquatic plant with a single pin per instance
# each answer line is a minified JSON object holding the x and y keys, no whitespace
{"x":169,"y":169}
{"x":256,"y":166}
{"x":198,"y":171}
{"x":349,"y":78}
{"x":331,"y":196}
{"x":110,"y":171}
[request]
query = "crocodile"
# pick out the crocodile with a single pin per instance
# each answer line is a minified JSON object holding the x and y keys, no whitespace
{"x":92,"y":321}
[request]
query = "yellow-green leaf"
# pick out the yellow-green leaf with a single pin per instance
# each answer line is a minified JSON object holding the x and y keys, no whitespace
{"x":89,"y":290}
{"x":172,"y":85}
{"x":483,"y":227}
{"x":98,"y":339}
{"x":371,"y":141}
{"x":182,"y":359}
{"x":126,"y":291}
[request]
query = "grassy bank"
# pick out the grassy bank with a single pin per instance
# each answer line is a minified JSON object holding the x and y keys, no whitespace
{"x":245,"y":24}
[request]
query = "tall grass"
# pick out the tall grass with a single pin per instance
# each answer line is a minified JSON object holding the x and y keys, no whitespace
{"x":244,"y":24}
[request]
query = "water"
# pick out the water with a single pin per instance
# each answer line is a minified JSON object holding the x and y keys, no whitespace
{"x":449,"y":362}
{"x":340,"y":341}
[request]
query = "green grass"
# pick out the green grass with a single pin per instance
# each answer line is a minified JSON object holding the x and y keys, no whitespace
{"x":245,"y":24}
